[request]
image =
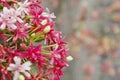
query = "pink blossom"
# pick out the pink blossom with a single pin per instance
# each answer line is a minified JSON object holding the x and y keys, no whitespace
{"x":21,"y":33}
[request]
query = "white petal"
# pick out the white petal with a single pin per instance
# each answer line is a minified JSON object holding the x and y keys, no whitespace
{"x":12,"y":10}
{"x":47,"y":9}
{"x":12,"y":26}
{"x":45,"y":14}
{"x":11,"y":67}
{"x":27,"y":74}
{"x":16,"y":75}
{"x":17,"y":60}
{"x":27,"y":65}
{"x":3,"y":26}
{"x":26,"y":2}
{"x":13,"y":20}
{"x":53,"y":15}
{"x":19,"y":20}
{"x":17,"y":12}
{"x":5,"y":10}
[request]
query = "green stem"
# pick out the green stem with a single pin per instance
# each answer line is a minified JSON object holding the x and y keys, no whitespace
{"x":53,"y":45}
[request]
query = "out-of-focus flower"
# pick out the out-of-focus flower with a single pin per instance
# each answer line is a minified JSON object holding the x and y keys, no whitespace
{"x":48,"y":14}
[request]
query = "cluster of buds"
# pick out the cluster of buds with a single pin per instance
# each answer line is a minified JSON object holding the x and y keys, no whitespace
{"x":30,"y":47}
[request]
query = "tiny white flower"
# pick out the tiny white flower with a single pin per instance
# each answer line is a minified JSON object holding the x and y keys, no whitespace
{"x":15,"y":15}
{"x":6,"y":19}
{"x":18,"y":68}
{"x":23,"y":7}
{"x":48,"y":14}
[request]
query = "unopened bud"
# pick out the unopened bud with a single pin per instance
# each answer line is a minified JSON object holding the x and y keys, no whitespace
{"x":21,"y":77}
{"x":33,"y":34}
{"x":69,"y":58}
{"x":44,"y":22}
{"x":47,"y":29}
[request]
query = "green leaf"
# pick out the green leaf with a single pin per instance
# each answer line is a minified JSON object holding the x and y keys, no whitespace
{"x":1,"y":7}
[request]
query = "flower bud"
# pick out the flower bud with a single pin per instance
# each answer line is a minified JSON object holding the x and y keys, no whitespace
{"x":69,"y":58}
{"x":47,"y":29}
{"x":21,"y":77}
{"x":33,"y":34}
{"x":44,"y":22}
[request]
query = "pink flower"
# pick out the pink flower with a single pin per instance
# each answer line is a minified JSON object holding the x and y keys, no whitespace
{"x":36,"y":11}
{"x":18,"y":68}
{"x":54,"y":37}
{"x":21,"y":33}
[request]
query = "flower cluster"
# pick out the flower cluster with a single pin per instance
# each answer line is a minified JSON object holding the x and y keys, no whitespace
{"x":30,"y":47}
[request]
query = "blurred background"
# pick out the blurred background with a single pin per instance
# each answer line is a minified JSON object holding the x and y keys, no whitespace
{"x":92,"y":30}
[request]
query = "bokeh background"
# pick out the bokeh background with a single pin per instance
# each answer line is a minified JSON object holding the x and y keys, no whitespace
{"x":92,"y":30}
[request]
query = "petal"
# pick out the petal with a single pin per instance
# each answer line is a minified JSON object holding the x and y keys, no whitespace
{"x":26,"y":1}
{"x":53,"y":15}
{"x":12,"y":26}
{"x":27,"y":74}
{"x":11,"y":67}
{"x":45,"y":14}
{"x":17,"y":60}
{"x":16,"y":75}
{"x":12,"y":20}
{"x":3,"y":26}
{"x":47,"y":9}
{"x":19,"y":20}
{"x":27,"y":65}
{"x":1,"y":19}
{"x":5,"y":10}
{"x":26,"y":11}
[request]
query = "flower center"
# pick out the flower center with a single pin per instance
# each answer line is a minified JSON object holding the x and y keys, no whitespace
{"x":19,"y":67}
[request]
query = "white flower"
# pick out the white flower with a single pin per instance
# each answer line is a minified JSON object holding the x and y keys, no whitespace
{"x":7,"y":20}
{"x":15,"y":15}
{"x":18,"y":68}
{"x":48,"y":14}
{"x":23,"y":7}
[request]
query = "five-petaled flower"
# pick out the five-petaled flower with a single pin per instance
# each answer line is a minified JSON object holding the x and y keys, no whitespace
{"x":48,"y":14}
{"x":18,"y":68}
{"x":6,"y":20}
